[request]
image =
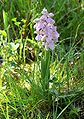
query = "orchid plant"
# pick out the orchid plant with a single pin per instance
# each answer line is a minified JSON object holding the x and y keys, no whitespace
{"x":46,"y":34}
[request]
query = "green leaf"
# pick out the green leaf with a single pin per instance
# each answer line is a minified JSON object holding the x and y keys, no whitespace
{"x":5,"y":19}
{"x":2,"y":32}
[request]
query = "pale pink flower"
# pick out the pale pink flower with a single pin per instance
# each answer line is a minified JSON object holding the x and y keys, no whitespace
{"x":45,"y":30}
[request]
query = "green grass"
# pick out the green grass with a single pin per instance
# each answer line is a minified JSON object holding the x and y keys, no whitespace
{"x":39,"y":84}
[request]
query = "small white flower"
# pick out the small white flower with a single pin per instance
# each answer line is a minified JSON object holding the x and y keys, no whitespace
{"x":44,"y":11}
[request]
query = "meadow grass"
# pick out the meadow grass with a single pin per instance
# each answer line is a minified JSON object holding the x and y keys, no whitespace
{"x":39,"y":84}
